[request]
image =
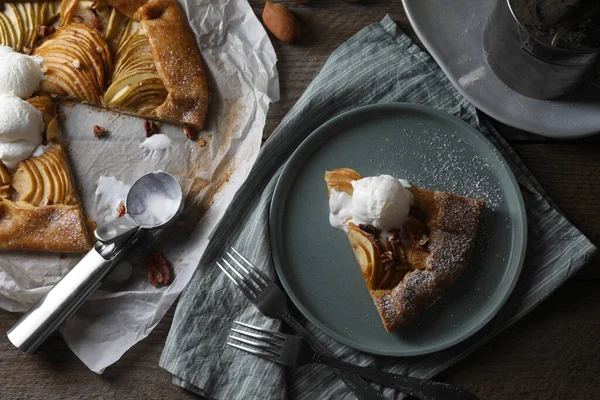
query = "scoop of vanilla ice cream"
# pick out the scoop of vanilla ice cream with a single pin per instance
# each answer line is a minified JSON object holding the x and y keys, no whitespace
{"x":11,"y":153}
{"x":381,"y":201}
{"x":21,"y":127}
{"x":19,"y":120}
{"x":20,"y":74}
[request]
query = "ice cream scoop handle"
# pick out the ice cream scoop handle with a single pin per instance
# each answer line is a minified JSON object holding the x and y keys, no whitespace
{"x":34,"y":327}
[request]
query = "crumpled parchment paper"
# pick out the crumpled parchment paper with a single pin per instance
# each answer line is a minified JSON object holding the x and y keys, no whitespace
{"x":240,"y":63}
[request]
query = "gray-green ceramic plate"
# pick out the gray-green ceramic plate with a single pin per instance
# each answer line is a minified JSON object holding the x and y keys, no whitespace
{"x":433,"y":150}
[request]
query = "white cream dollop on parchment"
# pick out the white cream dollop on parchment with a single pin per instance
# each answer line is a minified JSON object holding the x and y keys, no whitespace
{"x":156,"y":142}
{"x":109,"y":193}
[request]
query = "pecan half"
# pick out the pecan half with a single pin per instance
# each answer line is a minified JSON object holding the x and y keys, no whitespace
{"x":150,"y":127}
{"x":44,"y":30}
{"x":99,"y":130}
{"x":121,"y":210}
{"x":190,"y":132}
{"x":159,"y":270}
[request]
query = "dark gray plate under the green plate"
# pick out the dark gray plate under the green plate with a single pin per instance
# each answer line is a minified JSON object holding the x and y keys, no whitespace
{"x":433,"y":150}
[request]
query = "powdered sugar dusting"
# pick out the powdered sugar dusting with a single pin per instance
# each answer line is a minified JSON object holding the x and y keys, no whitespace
{"x":446,"y":162}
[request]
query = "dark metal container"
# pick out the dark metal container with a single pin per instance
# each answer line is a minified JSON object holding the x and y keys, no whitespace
{"x":530,"y":65}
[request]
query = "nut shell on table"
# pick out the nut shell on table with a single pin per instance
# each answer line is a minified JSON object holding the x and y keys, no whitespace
{"x":281,"y":22}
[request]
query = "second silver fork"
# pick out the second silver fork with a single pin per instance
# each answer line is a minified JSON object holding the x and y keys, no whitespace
{"x":292,"y":350}
{"x":272,"y":302}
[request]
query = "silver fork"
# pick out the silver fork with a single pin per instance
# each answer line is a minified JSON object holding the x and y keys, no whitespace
{"x":293,"y":351}
{"x":272,"y":302}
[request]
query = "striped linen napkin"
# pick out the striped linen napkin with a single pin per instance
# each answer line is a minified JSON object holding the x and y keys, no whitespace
{"x":377,"y":65}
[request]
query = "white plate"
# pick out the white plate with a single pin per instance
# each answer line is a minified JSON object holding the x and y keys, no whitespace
{"x":452,"y":32}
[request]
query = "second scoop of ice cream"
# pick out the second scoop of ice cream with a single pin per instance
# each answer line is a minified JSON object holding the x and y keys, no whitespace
{"x":21,"y":126}
{"x":20,"y":74}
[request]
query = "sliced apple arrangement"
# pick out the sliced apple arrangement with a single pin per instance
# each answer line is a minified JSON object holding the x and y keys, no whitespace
{"x":5,"y":180}
{"x":77,"y":62}
{"x":45,"y":180}
{"x":78,"y":56}
{"x":46,"y":105}
{"x":136,"y":85}
{"x":107,"y":21}
{"x":20,"y":20}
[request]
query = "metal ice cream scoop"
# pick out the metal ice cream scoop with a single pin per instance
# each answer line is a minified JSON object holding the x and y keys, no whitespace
{"x":153,"y":202}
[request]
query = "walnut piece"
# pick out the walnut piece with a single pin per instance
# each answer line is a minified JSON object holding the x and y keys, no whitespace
{"x":121,"y":210}
{"x":190,"y":132}
{"x":44,"y":30}
{"x":150,"y":127}
{"x":159,"y":270}
{"x":99,"y":130}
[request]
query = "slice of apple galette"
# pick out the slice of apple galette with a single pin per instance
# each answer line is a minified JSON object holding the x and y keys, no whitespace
{"x":411,"y":243}
{"x":138,"y":57}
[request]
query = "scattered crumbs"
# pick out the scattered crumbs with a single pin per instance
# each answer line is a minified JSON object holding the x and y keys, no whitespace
{"x":179,"y":259}
{"x":209,"y":136}
{"x":201,"y":142}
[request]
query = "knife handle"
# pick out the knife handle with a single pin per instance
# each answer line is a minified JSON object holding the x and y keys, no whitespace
{"x":422,"y":389}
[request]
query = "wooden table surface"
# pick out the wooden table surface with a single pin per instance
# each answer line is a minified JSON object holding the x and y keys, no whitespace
{"x":553,"y":353}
